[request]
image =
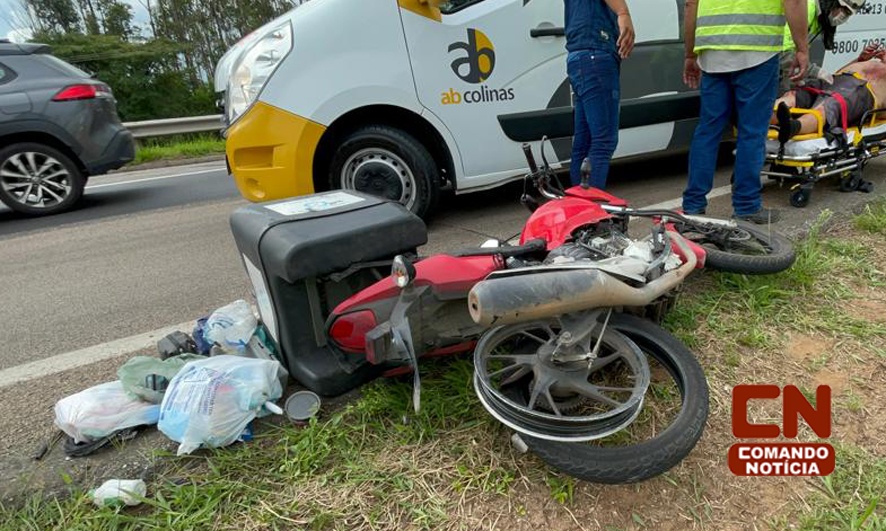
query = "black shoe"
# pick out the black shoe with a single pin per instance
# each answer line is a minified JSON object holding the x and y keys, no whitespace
{"x":761,"y":217}
{"x":787,"y":127}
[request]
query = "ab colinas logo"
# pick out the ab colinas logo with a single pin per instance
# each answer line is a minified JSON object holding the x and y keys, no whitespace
{"x":781,"y":459}
{"x":475,"y":66}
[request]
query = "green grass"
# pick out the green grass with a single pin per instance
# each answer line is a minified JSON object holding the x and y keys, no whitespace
{"x":741,"y":309}
{"x":874,"y":218}
{"x":374,"y":461}
{"x":178,"y":147}
{"x":849,"y":498}
{"x":376,"y":464}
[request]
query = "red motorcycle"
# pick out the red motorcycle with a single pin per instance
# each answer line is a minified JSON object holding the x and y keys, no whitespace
{"x":562,"y":324}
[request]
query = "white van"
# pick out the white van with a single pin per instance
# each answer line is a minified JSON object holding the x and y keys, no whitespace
{"x":402,"y":99}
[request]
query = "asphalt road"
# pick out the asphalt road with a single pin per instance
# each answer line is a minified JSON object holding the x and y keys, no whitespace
{"x":130,"y":193}
{"x":152,"y":249}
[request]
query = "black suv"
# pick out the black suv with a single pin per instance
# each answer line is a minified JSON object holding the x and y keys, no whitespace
{"x":58,"y":126}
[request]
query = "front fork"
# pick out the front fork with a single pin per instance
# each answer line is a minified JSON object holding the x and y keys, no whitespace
{"x":393,"y":340}
{"x":403,"y":339}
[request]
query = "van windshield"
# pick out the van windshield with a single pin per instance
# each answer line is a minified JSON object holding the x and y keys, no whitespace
{"x":451,"y":6}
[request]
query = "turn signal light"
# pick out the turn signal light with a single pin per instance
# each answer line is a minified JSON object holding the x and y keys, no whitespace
{"x":349,"y":330}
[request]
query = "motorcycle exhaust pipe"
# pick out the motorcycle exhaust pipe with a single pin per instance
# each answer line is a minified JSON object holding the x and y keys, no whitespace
{"x":522,"y":298}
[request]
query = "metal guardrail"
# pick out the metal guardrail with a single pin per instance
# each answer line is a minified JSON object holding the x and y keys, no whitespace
{"x":175,"y":126}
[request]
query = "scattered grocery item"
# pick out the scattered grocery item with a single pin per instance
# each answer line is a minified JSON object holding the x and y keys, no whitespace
{"x":82,"y":449}
{"x":99,"y":411}
{"x":302,"y":406}
{"x":175,"y":344}
{"x":199,"y":336}
{"x":231,"y":376}
{"x":230,"y":327}
{"x":210,"y":402}
{"x":118,"y":492}
{"x":147,"y":378}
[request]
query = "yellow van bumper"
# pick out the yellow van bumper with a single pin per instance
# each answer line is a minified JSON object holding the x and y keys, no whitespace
{"x":271,"y":153}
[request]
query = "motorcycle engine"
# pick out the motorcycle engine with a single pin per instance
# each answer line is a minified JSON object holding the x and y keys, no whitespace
{"x":590,"y":246}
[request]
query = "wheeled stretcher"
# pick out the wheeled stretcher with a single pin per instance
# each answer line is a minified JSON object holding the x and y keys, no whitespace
{"x":811,"y":157}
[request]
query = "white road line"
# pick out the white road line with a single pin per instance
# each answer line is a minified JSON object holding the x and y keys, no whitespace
{"x":86,"y":356}
{"x":159,"y":178}
{"x":120,"y":347}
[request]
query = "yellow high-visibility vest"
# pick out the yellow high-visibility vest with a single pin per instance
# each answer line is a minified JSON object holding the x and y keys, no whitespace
{"x":812,"y":16}
{"x":753,"y":25}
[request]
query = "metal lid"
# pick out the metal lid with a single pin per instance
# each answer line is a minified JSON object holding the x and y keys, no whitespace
{"x":302,"y":406}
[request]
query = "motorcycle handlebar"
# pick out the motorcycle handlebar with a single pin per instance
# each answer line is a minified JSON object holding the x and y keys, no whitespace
{"x":536,"y":174}
{"x":530,"y":159}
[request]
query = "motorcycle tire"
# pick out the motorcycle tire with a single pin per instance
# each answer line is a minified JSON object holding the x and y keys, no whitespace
{"x":650,"y":458}
{"x":780,"y":253}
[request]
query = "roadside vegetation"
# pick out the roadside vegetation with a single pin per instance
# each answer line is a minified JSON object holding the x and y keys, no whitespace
{"x":178,"y":147}
{"x":372,"y":463}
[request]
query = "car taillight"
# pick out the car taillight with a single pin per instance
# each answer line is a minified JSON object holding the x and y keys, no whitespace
{"x":349,"y":330}
{"x":81,"y":92}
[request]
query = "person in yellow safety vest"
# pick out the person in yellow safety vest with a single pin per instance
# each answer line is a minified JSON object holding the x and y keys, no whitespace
{"x":823,"y":17}
{"x":732,"y":55}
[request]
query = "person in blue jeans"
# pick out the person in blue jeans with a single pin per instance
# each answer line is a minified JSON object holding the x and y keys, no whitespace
{"x":599,"y":34}
{"x":737,"y":70}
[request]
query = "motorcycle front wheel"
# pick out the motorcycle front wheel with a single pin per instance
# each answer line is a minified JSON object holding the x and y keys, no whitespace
{"x":746,"y":249}
{"x":642,"y":451}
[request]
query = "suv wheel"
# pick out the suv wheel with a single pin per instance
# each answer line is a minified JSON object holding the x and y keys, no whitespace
{"x":38,"y":180}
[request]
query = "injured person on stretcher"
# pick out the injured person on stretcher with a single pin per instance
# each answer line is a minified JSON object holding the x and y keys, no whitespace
{"x":857,"y":88}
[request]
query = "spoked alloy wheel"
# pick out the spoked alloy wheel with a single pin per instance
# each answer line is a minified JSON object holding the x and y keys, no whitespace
{"x":744,"y":249}
{"x":382,"y":173}
{"x":668,"y":427}
{"x":530,"y":383}
{"x":36,"y":179}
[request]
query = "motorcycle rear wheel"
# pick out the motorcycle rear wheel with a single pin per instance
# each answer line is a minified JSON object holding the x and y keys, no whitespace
{"x":637,"y":462}
{"x":749,"y":249}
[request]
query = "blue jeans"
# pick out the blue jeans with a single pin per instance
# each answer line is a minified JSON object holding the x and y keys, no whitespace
{"x":751,"y":95}
{"x":594,"y":75}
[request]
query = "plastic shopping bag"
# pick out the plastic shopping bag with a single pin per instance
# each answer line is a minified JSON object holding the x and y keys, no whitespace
{"x":210,"y":402}
{"x":231,"y":326}
{"x":118,"y":492}
{"x":101,"y":410}
{"x":147,"y":378}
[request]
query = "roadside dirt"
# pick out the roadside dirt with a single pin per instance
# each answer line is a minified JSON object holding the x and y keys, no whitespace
{"x":700,"y":493}
{"x":28,"y":423}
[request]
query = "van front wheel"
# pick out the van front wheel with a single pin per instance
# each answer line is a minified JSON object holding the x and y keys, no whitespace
{"x":389,"y":163}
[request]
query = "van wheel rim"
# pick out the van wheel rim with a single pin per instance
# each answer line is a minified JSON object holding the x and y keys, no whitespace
{"x":381,"y":173}
{"x":35,"y":179}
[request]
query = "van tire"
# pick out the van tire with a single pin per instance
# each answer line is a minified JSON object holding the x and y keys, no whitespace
{"x":387,"y":162}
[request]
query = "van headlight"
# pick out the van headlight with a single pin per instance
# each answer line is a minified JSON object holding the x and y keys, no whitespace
{"x":253,"y":69}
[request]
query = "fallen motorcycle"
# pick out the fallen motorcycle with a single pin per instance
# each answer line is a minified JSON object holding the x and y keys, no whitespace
{"x":561,"y":324}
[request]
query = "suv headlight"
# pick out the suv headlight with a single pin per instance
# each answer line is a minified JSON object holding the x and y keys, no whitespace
{"x":255,"y":67}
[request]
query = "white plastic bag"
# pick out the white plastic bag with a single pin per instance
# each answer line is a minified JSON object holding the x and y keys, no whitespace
{"x":119,"y":491}
{"x":101,"y":410}
{"x":231,"y":326}
{"x":209,"y":402}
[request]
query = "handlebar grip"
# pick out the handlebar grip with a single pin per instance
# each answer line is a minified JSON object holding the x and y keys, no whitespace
{"x":530,"y":159}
